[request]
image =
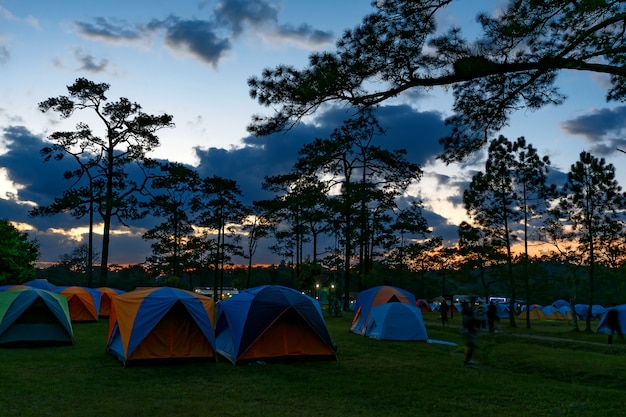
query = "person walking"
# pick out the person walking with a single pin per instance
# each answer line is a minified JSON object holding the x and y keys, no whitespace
{"x":612,"y":322}
{"x":469,"y":331}
{"x":443,"y":312}
{"x":492,"y":316}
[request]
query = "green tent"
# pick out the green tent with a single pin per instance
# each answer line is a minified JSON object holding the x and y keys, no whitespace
{"x":34,"y":317}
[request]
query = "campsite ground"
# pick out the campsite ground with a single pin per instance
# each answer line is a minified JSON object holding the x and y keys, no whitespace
{"x":551,"y":370}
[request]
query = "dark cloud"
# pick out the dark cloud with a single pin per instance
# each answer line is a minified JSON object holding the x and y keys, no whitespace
{"x":4,"y":54}
{"x":441,"y":227}
{"x":109,"y":31}
{"x":197,"y":37}
{"x":604,"y":129}
{"x":607,"y":147}
{"x":417,"y":133}
{"x":305,"y":33}
{"x":598,"y":125}
{"x":88,"y":62}
{"x":25,"y":166}
{"x":236,"y":14}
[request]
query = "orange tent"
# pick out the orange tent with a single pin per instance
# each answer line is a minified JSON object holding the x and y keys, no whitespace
{"x":155,"y":324}
{"x":535,"y":314}
{"x":107,"y":294}
{"x":84,"y":303}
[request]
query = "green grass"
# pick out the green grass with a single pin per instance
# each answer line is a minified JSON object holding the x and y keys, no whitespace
{"x":576,"y":374}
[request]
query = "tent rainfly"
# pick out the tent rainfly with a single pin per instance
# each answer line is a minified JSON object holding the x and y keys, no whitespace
{"x":34,"y":317}
{"x":272,"y":323}
{"x":396,"y":321}
{"x":84,"y":303}
{"x":106,"y":293}
{"x":159,"y":325}
{"x":372,"y":297}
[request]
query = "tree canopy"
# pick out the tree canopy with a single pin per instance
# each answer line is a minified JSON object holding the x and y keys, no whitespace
{"x":17,"y":254}
{"x":511,"y":65}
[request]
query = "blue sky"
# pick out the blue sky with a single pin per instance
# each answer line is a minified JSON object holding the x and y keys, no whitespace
{"x":192,"y":59}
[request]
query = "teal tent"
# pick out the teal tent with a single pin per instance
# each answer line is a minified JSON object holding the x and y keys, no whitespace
{"x":34,"y":317}
{"x":396,"y":321}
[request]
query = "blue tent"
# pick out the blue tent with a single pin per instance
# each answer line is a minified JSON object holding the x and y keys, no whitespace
{"x":621,"y":314}
{"x":34,"y":317}
{"x":596,"y":311}
{"x":271,"y":322}
{"x":560,"y":303}
{"x":396,"y":321}
{"x":565,"y":310}
{"x":42,"y":284}
{"x":502,"y":310}
{"x":372,"y":297}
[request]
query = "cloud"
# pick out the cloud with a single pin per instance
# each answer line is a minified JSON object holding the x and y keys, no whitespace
{"x":5,"y":14}
{"x":417,"y":133}
{"x":88,"y":62}
{"x":22,"y":154}
{"x":236,"y":14}
{"x":197,"y":37}
{"x":109,"y":31}
{"x":4,"y":54}
{"x":603,"y":128}
{"x":208,"y":40}
{"x":304,"y":33}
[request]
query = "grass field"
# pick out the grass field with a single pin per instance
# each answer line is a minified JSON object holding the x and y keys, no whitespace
{"x":521,"y":372}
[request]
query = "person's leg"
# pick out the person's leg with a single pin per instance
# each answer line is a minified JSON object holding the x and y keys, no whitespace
{"x":469,"y":350}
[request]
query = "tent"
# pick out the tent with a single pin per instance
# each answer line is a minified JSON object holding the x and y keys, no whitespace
{"x":375,"y":296}
{"x":13,"y":287}
{"x":533,"y":314}
{"x":502,"y":310}
{"x":553,"y":313}
{"x":582,"y":309}
{"x":396,"y":321}
{"x":106,"y":294}
{"x":424,"y":305}
{"x":560,"y":303}
{"x":84,"y":303}
{"x":621,"y":315}
{"x":161,"y":324}
{"x":566,"y":312}
{"x":42,"y":284}
{"x":531,"y":307}
{"x":34,"y":317}
{"x":272,"y":323}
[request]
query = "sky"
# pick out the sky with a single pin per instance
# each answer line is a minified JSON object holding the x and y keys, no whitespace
{"x":191,"y":59}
